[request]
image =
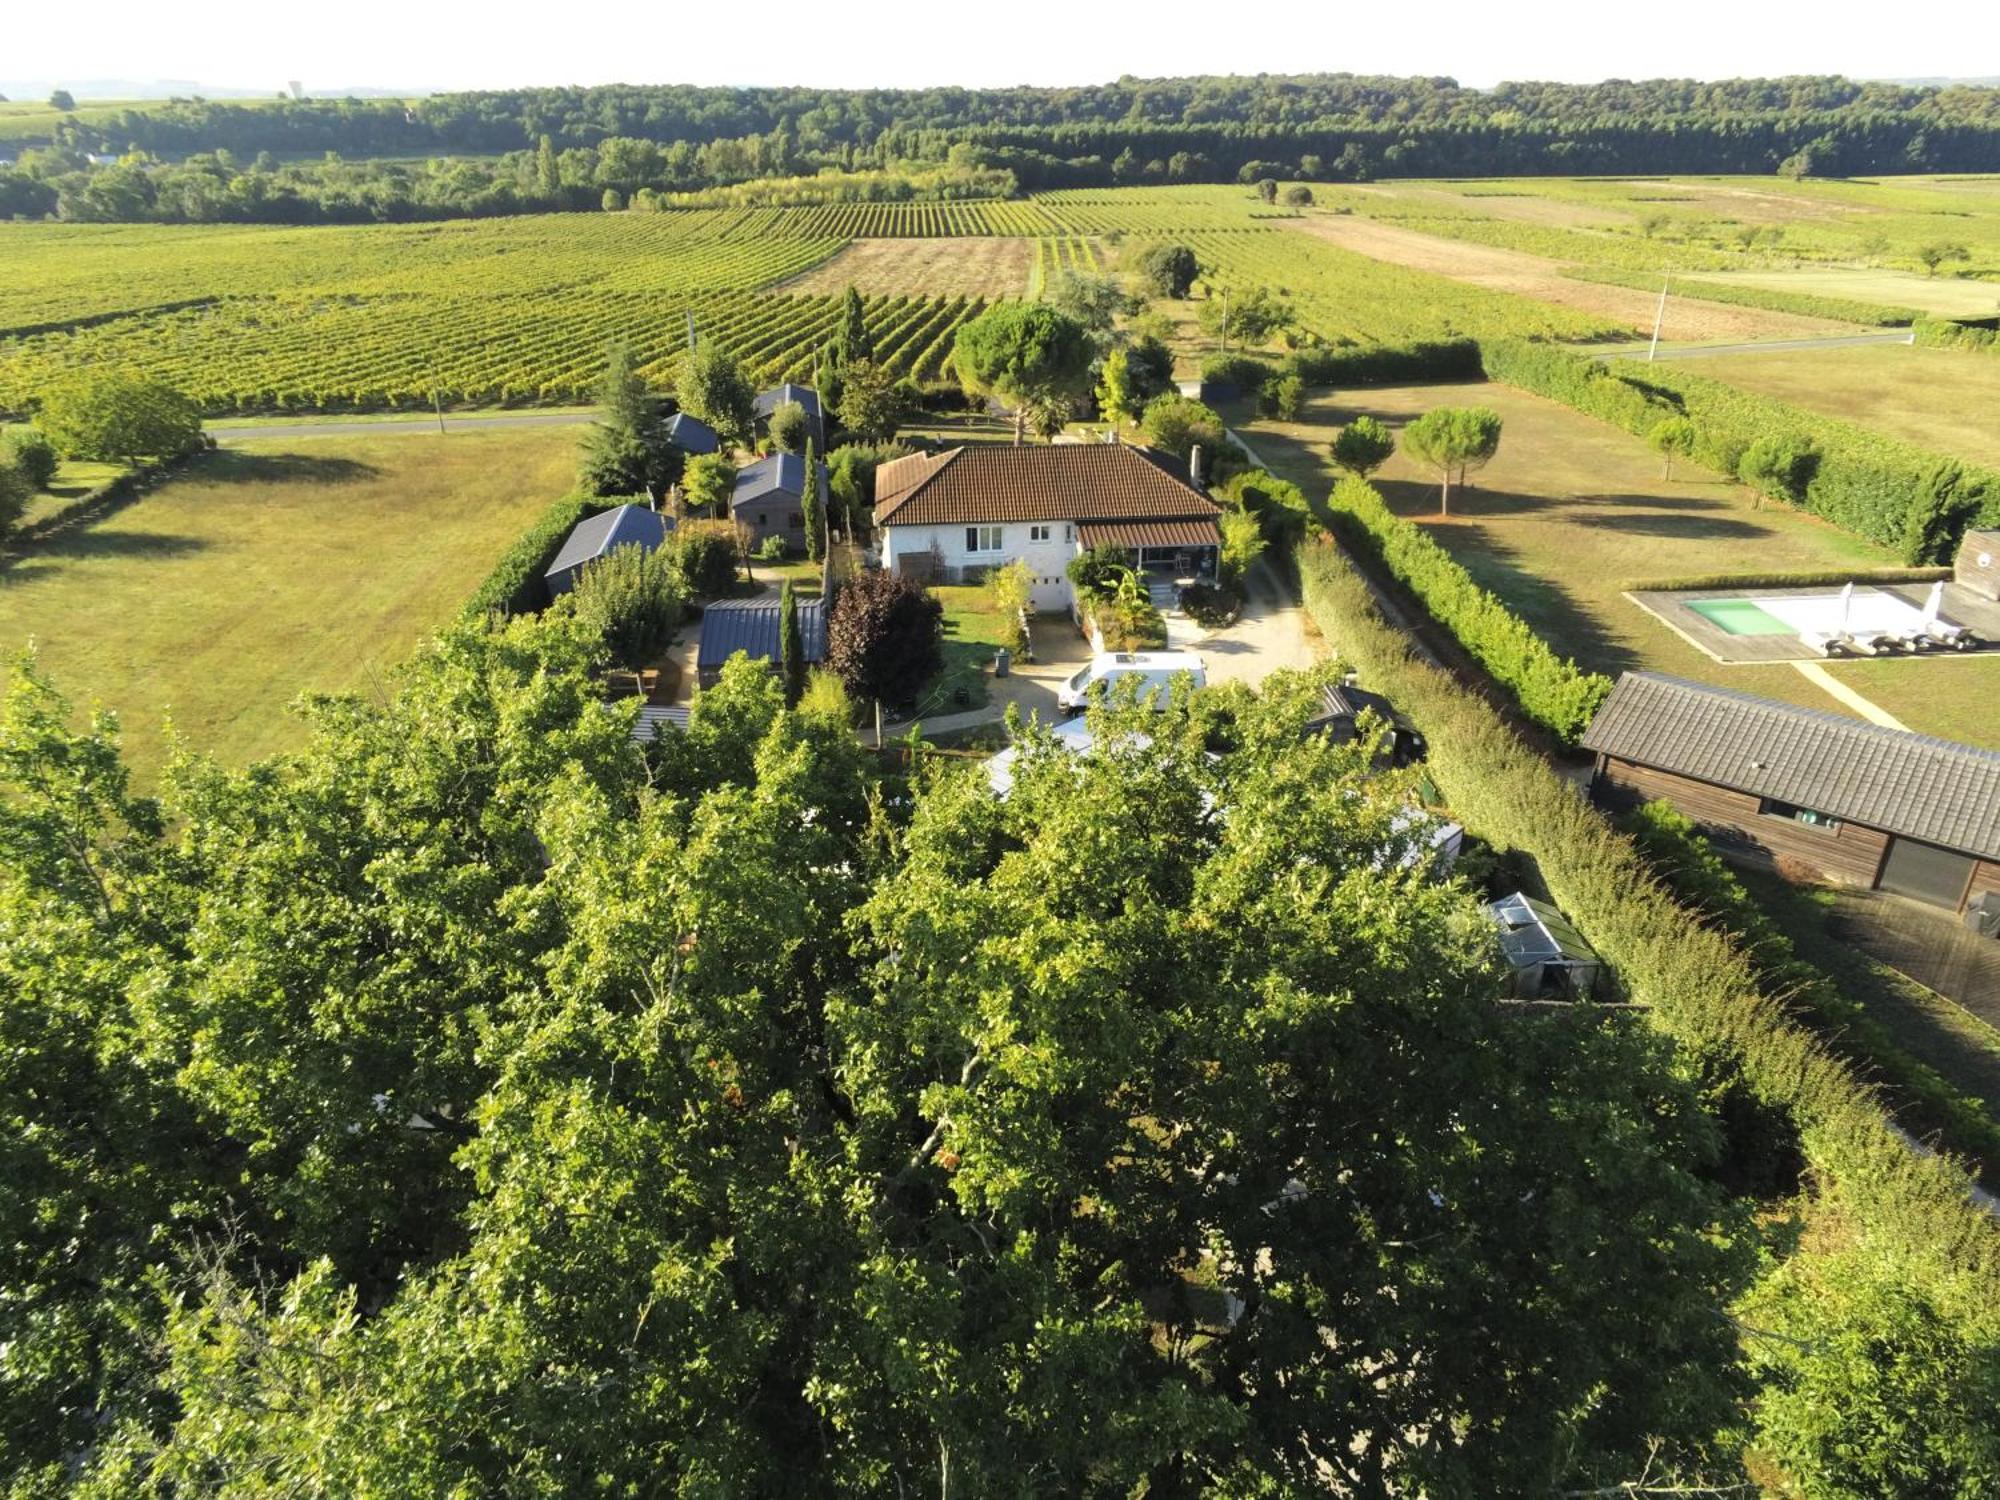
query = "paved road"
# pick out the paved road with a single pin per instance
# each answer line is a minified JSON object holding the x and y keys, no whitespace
{"x":393,"y":426}
{"x":1767,"y":346}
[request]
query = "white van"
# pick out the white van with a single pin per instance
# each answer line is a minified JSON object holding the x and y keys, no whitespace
{"x":1155,"y":669}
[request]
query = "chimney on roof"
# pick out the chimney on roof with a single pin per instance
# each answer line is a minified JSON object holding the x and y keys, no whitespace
{"x":1194,"y":467}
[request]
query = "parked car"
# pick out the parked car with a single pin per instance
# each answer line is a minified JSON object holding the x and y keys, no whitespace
{"x":1156,"y":671}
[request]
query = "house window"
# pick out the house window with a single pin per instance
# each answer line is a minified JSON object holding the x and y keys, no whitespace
{"x":1069,"y":532}
{"x":796,"y":521}
{"x":983,"y":538}
{"x":1771,"y":808}
{"x":1038,"y":533}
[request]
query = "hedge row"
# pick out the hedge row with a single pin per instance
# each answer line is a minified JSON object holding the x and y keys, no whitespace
{"x":1795,"y":580}
{"x":1871,"y":1197}
{"x":1350,"y":365}
{"x":1863,"y":482}
{"x":1674,"y":845}
{"x":1552,"y":690}
{"x":515,"y":582}
{"x":1805,"y":304}
{"x":1942,"y":333}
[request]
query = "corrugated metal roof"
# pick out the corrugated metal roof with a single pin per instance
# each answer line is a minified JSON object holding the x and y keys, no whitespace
{"x":691,"y":434}
{"x":593,"y":536}
{"x":732,"y":625}
{"x":658,"y":719}
{"x":767,"y":402}
{"x":1203,"y":533}
{"x":1037,"y":482}
{"x":1909,"y":784}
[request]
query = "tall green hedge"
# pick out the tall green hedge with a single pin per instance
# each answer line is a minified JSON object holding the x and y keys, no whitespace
{"x":1862,"y":481}
{"x":1552,"y":690}
{"x":1942,"y":333}
{"x":1869,"y":1196}
{"x":515,"y":582}
{"x":1386,"y":364}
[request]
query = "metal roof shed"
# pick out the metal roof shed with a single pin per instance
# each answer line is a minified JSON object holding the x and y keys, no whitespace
{"x":595,"y":536}
{"x":1549,"y":956}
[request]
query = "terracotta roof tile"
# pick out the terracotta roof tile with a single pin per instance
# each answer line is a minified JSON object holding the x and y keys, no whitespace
{"x":1039,"y":482}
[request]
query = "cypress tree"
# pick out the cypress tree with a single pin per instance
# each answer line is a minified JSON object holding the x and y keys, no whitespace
{"x":791,"y":647}
{"x":814,"y":512}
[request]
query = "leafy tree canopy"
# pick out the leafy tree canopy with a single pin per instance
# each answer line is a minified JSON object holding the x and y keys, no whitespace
{"x":474,"y":1102}
{"x":115,"y":416}
{"x":1026,"y":351}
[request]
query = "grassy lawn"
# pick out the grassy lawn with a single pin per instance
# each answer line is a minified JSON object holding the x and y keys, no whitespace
{"x":1571,"y":514}
{"x":1943,"y":399}
{"x":266,"y":571}
{"x":972,"y":633}
{"x":1956,"y":697}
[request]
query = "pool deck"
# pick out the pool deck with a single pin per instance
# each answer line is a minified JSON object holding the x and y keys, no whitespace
{"x":1671,"y":608}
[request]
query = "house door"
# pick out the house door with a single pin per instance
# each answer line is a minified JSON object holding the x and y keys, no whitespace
{"x":1925,"y":872}
{"x":1051,"y":591}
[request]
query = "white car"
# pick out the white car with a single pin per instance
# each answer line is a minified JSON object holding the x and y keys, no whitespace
{"x":1156,"y":671}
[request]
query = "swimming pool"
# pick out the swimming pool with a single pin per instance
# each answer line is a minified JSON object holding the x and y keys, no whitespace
{"x":1740,"y":617}
{"x":1869,"y":611}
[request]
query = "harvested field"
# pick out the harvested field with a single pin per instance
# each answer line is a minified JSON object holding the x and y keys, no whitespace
{"x":1944,"y":296}
{"x":986,"y":266}
{"x":1688,"y":320}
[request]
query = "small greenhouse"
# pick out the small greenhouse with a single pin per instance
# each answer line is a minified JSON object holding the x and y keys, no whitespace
{"x":1550,"y":958}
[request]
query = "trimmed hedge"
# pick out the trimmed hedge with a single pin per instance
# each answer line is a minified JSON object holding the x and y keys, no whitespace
{"x":1798,"y":580}
{"x":1551,"y":690}
{"x":1806,"y":304}
{"x":1873,"y":486}
{"x":1868,"y":1192}
{"x":515,"y":583}
{"x":1386,"y":364}
{"x":1243,"y":373}
{"x":1942,"y":333}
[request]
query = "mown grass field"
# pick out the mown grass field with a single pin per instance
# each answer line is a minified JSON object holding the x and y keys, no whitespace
{"x":1943,"y":399}
{"x":271,"y":570}
{"x":1956,"y":697}
{"x":1571,"y":514}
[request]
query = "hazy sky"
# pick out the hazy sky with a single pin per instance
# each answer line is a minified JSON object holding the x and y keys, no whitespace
{"x":257,"y":44}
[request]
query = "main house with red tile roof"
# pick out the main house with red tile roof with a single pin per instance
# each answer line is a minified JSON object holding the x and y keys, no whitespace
{"x":951,"y":517}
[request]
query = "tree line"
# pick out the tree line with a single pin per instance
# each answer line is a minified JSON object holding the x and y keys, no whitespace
{"x":516,"y":151}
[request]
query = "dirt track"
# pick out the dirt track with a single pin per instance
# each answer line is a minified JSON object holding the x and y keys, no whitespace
{"x":1532,"y":276}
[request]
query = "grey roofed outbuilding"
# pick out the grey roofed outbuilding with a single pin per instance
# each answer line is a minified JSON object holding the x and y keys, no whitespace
{"x":1888,"y":779}
{"x":732,"y":625}
{"x":766,"y":403}
{"x":594,"y":536}
{"x":772,"y":474}
{"x":691,"y":434}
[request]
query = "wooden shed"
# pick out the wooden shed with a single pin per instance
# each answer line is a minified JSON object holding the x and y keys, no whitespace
{"x":1854,"y":802}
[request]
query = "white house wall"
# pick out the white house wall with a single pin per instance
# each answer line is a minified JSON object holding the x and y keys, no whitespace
{"x":1047,"y":561}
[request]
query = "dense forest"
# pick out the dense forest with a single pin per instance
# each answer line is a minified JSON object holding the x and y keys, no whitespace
{"x":521,"y":150}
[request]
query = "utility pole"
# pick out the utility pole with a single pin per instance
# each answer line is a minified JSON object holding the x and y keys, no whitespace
{"x":1225,"y":320}
{"x":437,"y":405}
{"x":1659,"y":317}
{"x":690,"y":317}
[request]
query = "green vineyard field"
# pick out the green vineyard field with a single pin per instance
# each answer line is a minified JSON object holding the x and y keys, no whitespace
{"x":279,"y":354}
